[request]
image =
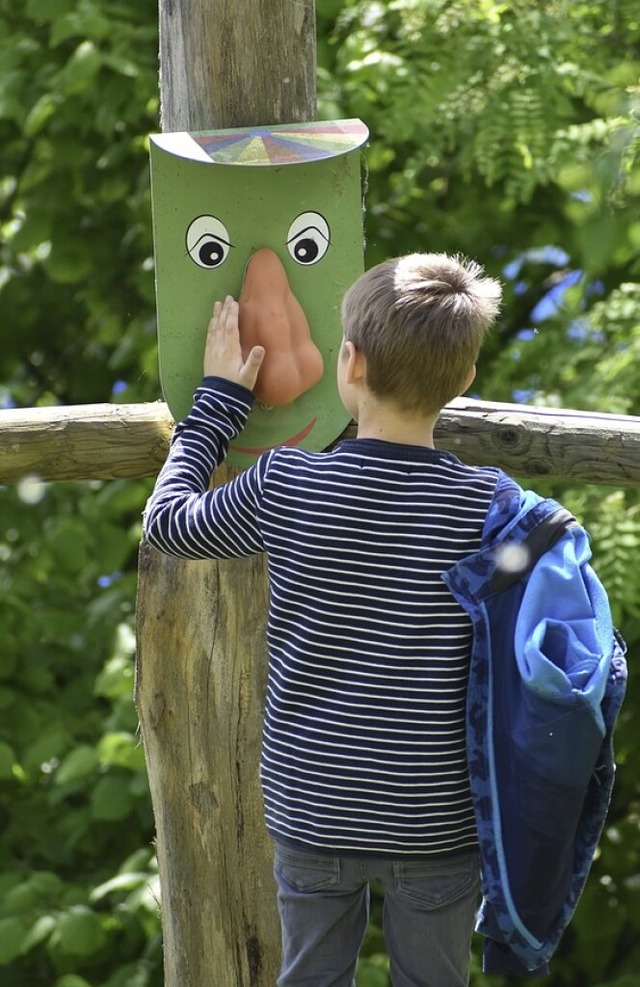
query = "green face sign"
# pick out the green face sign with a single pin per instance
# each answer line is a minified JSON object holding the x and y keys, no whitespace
{"x":272,"y":216}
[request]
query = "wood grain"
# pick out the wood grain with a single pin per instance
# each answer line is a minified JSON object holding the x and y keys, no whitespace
{"x":201,"y":626}
{"x":107,"y":442}
{"x":201,"y":671}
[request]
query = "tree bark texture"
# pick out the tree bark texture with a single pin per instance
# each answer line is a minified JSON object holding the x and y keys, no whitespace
{"x":84,"y":442}
{"x":201,"y":626}
{"x":199,"y":690}
{"x":236,"y":63}
{"x":107,"y":442}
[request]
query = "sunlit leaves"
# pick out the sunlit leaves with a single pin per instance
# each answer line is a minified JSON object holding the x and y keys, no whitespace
{"x":75,"y":107}
{"x":74,"y":803}
{"x":493,"y":109}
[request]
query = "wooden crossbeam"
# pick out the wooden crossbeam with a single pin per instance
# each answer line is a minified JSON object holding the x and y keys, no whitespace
{"x":117,"y":441}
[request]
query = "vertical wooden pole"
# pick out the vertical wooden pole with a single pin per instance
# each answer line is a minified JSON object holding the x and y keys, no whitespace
{"x":201,"y":663}
{"x":236,"y":63}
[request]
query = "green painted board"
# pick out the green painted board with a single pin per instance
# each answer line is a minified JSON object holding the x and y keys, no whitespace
{"x":219,"y":197}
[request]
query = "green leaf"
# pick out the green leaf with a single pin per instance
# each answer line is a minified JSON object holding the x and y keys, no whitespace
{"x":122,"y":64}
{"x":85,"y":20}
{"x":8,"y":880}
{"x":116,"y":678}
{"x":69,"y":262}
{"x":79,"y":933}
{"x":40,"y":113}
{"x":21,"y":899}
{"x":122,"y":750}
{"x":7,"y":761}
{"x":111,"y":799}
{"x":12,"y":934}
{"x":50,"y":745}
{"x":131,"y":975}
{"x":79,"y":763}
{"x":142,"y":859}
{"x":80,"y":70}
{"x":39,"y":932}
{"x":51,"y":10}
{"x":10,"y":107}
{"x":48,"y":885}
{"x":68,"y":540}
{"x":122,"y":882}
{"x":373,"y":972}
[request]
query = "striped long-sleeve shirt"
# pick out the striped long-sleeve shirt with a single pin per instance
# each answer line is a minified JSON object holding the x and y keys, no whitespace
{"x":364,"y":733}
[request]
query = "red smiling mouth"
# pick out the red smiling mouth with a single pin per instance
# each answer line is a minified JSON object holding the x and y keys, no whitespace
{"x":293,"y":441}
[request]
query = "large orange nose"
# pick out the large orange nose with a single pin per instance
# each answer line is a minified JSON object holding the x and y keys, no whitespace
{"x":271,"y":316}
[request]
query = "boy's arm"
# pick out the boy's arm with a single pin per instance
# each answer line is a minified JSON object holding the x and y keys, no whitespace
{"x":183,"y":517}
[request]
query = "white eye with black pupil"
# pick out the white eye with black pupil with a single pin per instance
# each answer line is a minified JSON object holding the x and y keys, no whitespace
{"x":208,"y":242}
{"x":309,"y":238}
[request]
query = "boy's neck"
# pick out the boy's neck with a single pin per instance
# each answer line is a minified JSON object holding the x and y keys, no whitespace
{"x":379,"y":419}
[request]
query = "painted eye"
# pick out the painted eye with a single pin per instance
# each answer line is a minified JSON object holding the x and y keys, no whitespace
{"x":208,"y":242}
{"x":308,"y":238}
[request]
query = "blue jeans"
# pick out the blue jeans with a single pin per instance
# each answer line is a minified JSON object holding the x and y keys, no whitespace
{"x":428,"y":918}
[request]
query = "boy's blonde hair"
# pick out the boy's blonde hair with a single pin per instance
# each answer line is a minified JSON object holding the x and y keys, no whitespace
{"x":420,"y":321}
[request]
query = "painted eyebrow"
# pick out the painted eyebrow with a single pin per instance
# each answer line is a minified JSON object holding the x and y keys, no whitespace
{"x":215,"y":236}
{"x":309,"y":227}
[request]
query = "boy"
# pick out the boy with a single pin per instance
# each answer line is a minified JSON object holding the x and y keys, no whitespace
{"x":364,"y":764}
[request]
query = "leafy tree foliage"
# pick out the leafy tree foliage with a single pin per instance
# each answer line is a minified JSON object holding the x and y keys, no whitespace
{"x":78,"y":97}
{"x":503,"y":130}
{"x":78,"y":883}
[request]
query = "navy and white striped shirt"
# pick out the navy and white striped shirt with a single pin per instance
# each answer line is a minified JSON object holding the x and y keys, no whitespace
{"x":364,"y":734}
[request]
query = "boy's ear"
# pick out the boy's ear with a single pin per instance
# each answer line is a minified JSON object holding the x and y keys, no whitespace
{"x":469,"y":379}
{"x":356,"y":370}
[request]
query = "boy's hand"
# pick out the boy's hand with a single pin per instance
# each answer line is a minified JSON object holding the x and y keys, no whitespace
{"x":223,"y":353}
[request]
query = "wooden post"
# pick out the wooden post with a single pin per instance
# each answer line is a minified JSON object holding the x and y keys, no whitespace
{"x":201,"y":626}
{"x":235,"y":63}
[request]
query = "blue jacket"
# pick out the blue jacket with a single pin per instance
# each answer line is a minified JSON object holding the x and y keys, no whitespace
{"x":548,"y":675}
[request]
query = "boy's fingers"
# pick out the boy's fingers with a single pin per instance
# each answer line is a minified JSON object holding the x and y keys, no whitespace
{"x":256,"y":356}
{"x":221,"y":310}
{"x":215,"y":317}
{"x":229,"y":314}
{"x":223,"y":353}
{"x":252,"y":366}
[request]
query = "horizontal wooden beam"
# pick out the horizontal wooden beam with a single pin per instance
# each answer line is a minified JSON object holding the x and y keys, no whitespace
{"x":556,"y":443}
{"x":111,"y":441}
{"x":84,"y":442}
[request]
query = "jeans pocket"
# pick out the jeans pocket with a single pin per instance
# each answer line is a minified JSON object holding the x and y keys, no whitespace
{"x":305,"y":872}
{"x":431,"y":884}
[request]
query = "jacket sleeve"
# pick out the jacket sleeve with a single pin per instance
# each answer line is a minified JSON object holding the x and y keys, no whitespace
{"x":183,"y":517}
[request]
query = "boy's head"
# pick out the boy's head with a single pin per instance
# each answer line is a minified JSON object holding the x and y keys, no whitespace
{"x":419,"y":321}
